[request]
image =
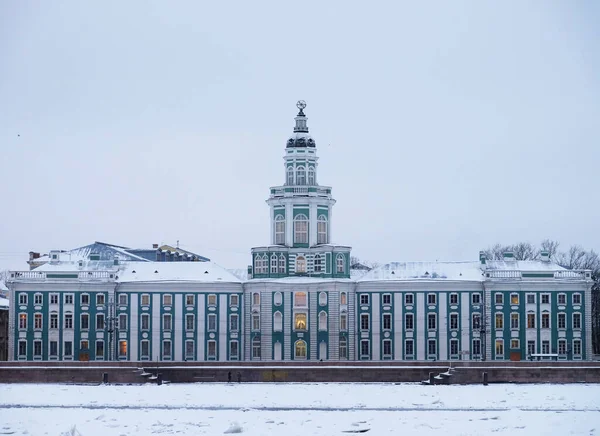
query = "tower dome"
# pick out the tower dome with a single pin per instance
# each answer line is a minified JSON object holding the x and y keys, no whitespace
{"x":300,"y":138}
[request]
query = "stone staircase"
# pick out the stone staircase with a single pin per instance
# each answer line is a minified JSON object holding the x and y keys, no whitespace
{"x":152,"y":376}
{"x":443,"y":378}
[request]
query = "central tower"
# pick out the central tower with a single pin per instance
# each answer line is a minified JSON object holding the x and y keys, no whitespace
{"x":300,"y":217}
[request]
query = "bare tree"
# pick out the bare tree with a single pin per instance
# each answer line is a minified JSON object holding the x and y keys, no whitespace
{"x":551,"y":247}
{"x":521,"y":251}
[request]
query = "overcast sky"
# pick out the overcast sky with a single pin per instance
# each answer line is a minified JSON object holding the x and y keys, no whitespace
{"x":443,"y":127}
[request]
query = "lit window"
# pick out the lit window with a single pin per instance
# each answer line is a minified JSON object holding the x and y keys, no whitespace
{"x":300,"y":321}
{"x":212,"y":300}
{"x":122,"y":348}
{"x":514,"y":343}
{"x":300,"y":264}
{"x":343,"y":322}
{"x":300,"y":349}
{"x":499,"y":347}
{"x":22,"y":321}
{"x":514,"y":299}
{"x":343,"y":299}
{"x":531,"y":320}
{"x":499,"y":321}
{"x":255,"y":299}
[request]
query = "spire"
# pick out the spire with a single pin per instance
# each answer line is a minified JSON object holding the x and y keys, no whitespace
{"x":301,"y":118}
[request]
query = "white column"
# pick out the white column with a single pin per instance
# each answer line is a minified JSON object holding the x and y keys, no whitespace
{"x":465,"y":324}
{"x":223,"y":326}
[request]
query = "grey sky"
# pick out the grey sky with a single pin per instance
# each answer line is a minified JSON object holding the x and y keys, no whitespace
{"x":443,"y":127}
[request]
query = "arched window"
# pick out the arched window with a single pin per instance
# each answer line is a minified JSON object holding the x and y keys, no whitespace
{"x":265,"y":264}
{"x":300,"y":299}
{"x":343,"y":298}
{"x":290,"y":175}
{"x":318,"y":263}
{"x":279,"y":230}
{"x":339,"y":261}
{"x":277,"y":322}
{"x":311,"y":175}
{"x":323,"y":298}
{"x":300,"y":264}
{"x":256,"y":299}
{"x":300,"y":176}
{"x":281,"y":264}
{"x":323,"y":320}
{"x":273,"y":264}
{"x":300,"y":321}
{"x":300,"y":348}
{"x":322,"y":229}
{"x":277,"y":299}
{"x":301,"y":229}
{"x":257,"y":264}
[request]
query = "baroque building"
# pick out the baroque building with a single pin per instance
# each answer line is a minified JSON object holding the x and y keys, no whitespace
{"x":299,"y":300}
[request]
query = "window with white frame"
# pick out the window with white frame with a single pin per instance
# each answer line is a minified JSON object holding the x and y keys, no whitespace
{"x":343,"y":321}
{"x":99,"y":299}
{"x":233,"y":350}
{"x":545,"y":298}
{"x":123,"y":348}
{"x":300,"y":264}
{"x":387,"y":348}
{"x":387,"y":299}
{"x":545,"y":347}
{"x":562,"y":299}
{"x":576,"y":298}
{"x":22,"y":321}
{"x":409,"y":299}
{"x":454,"y":321}
{"x":454,"y":348}
{"x":318,"y":263}
{"x":499,"y":348}
{"x":281,"y":264}
{"x":300,"y":229}
{"x":84,"y":321}
{"x":54,"y":349}
{"x":431,"y":348}
{"x":167,"y":300}
{"x":343,"y":348}
{"x":212,"y":322}
{"x":39,"y":298}
{"x":273,"y":264}
{"x":234,"y":300}
{"x":37,"y":321}
{"x":300,"y":299}
{"x":68,"y":298}
{"x":514,"y":321}
{"x":577,"y":347}
{"x":190,"y":321}
{"x":23,"y":299}
{"x":476,"y":298}
{"x":234,"y":322}
{"x":68,"y":321}
{"x":256,"y":299}
{"x":212,"y":300}
{"x":476,"y":320}
{"x":514,"y":299}
{"x":322,"y":229}
{"x":322,"y":298}
{"x":322,"y":321}
{"x":364,"y":321}
{"x":311,"y":175}
{"x":256,"y":347}
{"x":409,"y":348}
{"x":189,"y":349}
{"x":212,"y":350}
{"x":255,"y":321}
{"x":144,"y":349}
{"x":562,"y":346}
{"x":122,"y":299}
{"x":431,"y":299}
{"x":290,"y":175}
{"x":499,"y":321}
{"x":53,"y":298}
{"x":123,"y":321}
{"x":189,"y":300}
{"x":476,"y":347}
{"x":99,"y":349}
{"x":145,"y":300}
{"x":530,"y":298}
{"x":145,"y":321}
{"x":545,"y":320}
{"x":364,"y":299}
{"x":100,"y":321}
{"x":577,"y":321}
{"x":279,"y":230}
{"x":562,"y":321}
{"x":277,"y":322}
{"x":278,"y":299}
{"x":364,"y":348}
{"x":53,"y":320}
{"x":343,"y":298}
{"x":499,"y":298}
{"x":409,"y":321}
{"x":68,"y":348}
{"x":300,"y":176}
{"x":531,"y":320}
{"x":431,"y":321}
{"x":387,"y":321}
{"x":300,"y":321}
{"x":300,"y":349}
{"x":340,"y":263}
{"x":167,"y":321}
{"x":166,"y":349}
{"x":454,"y":298}
{"x":514,"y":343}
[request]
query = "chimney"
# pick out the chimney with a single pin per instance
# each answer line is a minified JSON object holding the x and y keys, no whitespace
{"x":482,"y":257}
{"x":33,"y":255}
{"x":508,"y":255}
{"x":545,"y":256}
{"x":155,"y":246}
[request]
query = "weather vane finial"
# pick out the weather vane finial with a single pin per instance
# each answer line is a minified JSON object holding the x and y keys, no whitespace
{"x":301,"y":105}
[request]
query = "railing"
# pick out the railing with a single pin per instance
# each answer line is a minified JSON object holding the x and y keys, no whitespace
{"x":517,"y":274}
{"x":288,"y":191}
{"x":62,"y":275}
{"x":572,"y":274}
{"x":506,"y":274}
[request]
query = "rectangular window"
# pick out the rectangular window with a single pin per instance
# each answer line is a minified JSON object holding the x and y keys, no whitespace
{"x":576,"y":298}
{"x":54,"y":320}
{"x":99,"y":299}
{"x":408,"y":321}
{"x":255,"y":321}
{"x":212,"y":322}
{"x":431,"y":348}
{"x":212,"y":300}
{"x":364,"y":348}
{"x":37,"y":321}
{"x":145,"y":300}
{"x":454,"y":321}
{"x":453,"y":298}
{"x":545,"y":298}
{"x":476,"y":298}
{"x":166,"y":349}
{"x":514,"y":300}
{"x":145,"y":349}
{"x":189,"y":300}
{"x":530,"y":347}
{"x":38,"y":299}
{"x":531,"y":320}
{"x":37,"y":348}
{"x":122,"y":299}
{"x":256,"y":348}
{"x":409,"y":348}
{"x":233,"y":322}
{"x":84,"y":345}
{"x":54,"y":348}
{"x":23,"y":299}
{"x":387,"y":321}
{"x":431,"y":321}
{"x":68,"y":298}
{"x":476,"y":347}
{"x":145,"y":324}
{"x":167,"y":322}
{"x":85,"y":299}
{"x":431,"y":299}
{"x":499,"y":298}
{"x":454,"y":347}
{"x":408,"y":299}
{"x":364,"y":321}
{"x":212,"y":349}
{"x":514,"y":343}
{"x":499,"y":347}
{"x":68,"y":321}
{"x":343,"y":348}
{"x":22,"y":349}
{"x":122,"y":321}
{"x":233,"y":300}
{"x":545,"y":347}
{"x":85,"y":321}
{"x":364,"y":299}
{"x":577,"y":347}
{"x":68,"y":348}
{"x":562,"y":321}
{"x":530,"y":298}
{"x":343,"y":322}
{"x":562,"y":346}
{"x":476,"y":321}
{"x":545,"y":320}
{"x":168,"y":301}
{"x":189,"y":349}
{"x":122,"y":348}
{"x":387,"y":348}
{"x":576,"y":320}
{"x":514,"y":321}
{"x":233,"y":350}
{"x":99,"y":349}
{"x":387,"y":299}
{"x":53,"y":298}
{"x":562,"y":299}
{"x":189,"y":322}
{"x":499,"y":321}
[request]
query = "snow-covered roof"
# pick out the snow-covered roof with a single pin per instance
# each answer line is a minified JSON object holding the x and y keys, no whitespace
{"x":3,"y":287}
{"x":103,"y":250}
{"x":241,"y":273}
{"x":464,"y":271}
{"x":175,"y":272}
{"x":300,"y":280}
{"x":523,"y":265}
{"x":3,"y":303}
{"x":69,"y":266}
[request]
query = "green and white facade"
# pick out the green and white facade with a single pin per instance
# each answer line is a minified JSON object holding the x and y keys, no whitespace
{"x":299,"y":301}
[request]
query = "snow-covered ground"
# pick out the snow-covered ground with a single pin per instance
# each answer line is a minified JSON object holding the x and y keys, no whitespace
{"x":300,"y":409}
